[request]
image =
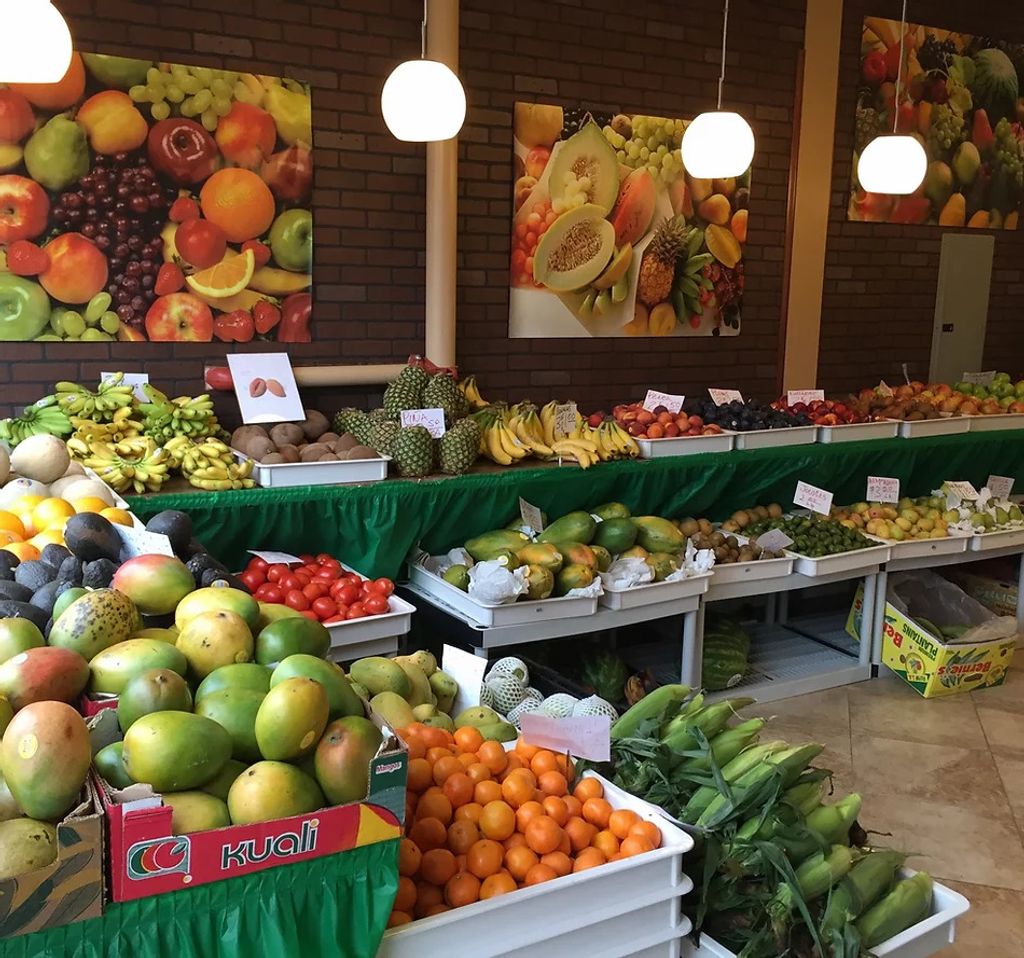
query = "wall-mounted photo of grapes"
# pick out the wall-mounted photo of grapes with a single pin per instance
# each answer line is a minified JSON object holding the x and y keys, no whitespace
{"x":144,"y":201}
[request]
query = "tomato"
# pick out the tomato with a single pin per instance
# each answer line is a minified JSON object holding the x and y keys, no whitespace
{"x":382,"y":587}
{"x":296,"y":600}
{"x":342,"y":609}
{"x":326,"y":575}
{"x":304,"y":578}
{"x":348,"y":594}
{"x":310,"y":614}
{"x":258,"y":564}
{"x":322,"y":557}
{"x":252,"y":579}
{"x":289,"y":582}
{"x":270,"y":593}
{"x":324,"y":607}
{"x":276,"y":571}
{"x":334,"y":619}
{"x":314,"y":590}
{"x":376,"y":605}
{"x":356,"y":612}
{"x":333,"y":564}
{"x":305,"y":558}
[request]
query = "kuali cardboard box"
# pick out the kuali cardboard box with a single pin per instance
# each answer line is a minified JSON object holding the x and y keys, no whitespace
{"x":147,"y":859}
{"x":67,"y":890}
{"x":994,"y":585}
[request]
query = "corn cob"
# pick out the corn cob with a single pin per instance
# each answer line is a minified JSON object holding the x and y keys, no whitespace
{"x":681,"y":735}
{"x":869,"y":879}
{"x":826,"y":825}
{"x":908,"y":903}
{"x":726,"y":745}
{"x":739,"y":766}
{"x":803,"y":798}
{"x":653,"y":705}
{"x":820,"y":872}
{"x":685,"y":714}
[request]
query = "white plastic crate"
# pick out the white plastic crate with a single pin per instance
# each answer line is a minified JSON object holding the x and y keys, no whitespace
{"x":354,"y":633}
{"x":1005,"y":539}
{"x":915,"y":548}
{"x":685,"y":445}
{"x":620,"y":909}
{"x":855,"y":431}
{"x":1010,"y":420}
{"x":769,"y":438}
{"x":727,"y":573}
{"x":654,"y":593}
{"x":282,"y":474}
{"x":944,"y":426}
{"x":852,"y":561}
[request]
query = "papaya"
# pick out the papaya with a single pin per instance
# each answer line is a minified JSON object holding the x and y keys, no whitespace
{"x":445,"y":688}
{"x":573,"y":577}
{"x":616,"y":535}
{"x":540,"y":582}
{"x":94,"y":622}
{"x":212,"y":639}
{"x":378,"y":674}
{"x":109,"y":763}
{"x":291,"y":719}
{"x":289,"y":636}
{"x":26,"y":845}
{"x":457,"y":575}
{"x":426,"y":661}
{"x":17,"y":635}
{"x":220,"y":784}
{"x":611,"y":510}
{"x":214,"y":599}
{"x":391,"y":707}
{"x":43,"y":674}
{"x":341,"y":699}
{"x":196,"y":812}
{"x":485,"y":547}
{"x":544,"y":554}
{"x":235,"y":711}
{"x":270,"y":790}
{"x":662,"y":564}
{"x":238,"y":675}
{"x":573,"y":527}
{"x":342,"y":759}
{"x":658,"y":535}
{"x":175,"y":751}
{"x":637,"y":552}
{"x":155,"y":690}
{"x":603,"y":556}
{"x":111,"y":670}
{"x":577,"y":553}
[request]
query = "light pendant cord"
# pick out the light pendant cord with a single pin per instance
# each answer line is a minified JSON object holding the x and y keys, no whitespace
{"x":725,"y":33}
{"x":899,"y":68}
{"x":423,"y":33}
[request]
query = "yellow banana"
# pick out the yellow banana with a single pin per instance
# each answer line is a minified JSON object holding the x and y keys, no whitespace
{"x":493,"y":449}
{"x":547,"y":419}
{"x":536,"y":445}
{"x":510,"y":443}
{"x":246,"y":300}
{"x":279,"y":282}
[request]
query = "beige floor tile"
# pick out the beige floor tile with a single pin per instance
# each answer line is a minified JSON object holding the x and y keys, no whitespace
{"x":1011,"y":771}
{"x":827,"y":712}
{"x":993,"y":928}
{"x":1004,"y":731}
{"x":1009,"y":697}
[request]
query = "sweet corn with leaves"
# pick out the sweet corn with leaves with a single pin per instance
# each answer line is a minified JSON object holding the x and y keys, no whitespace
{"x":726,"y":745}
{"x":867,"y":881}
{"x":651,"y":706}
{"x":739,"y":766}
{"x":905,"y":905}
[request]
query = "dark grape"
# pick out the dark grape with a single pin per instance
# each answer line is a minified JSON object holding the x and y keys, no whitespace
{"x":148,"y":281}
{"x":125,"y":314}
{"x":72,"y":201}
{"x":138,"y":304}
{"x":102,"y":243}
{"x":89,"y":229}
{"x":135,"y":243}
{"x":123,"y":297}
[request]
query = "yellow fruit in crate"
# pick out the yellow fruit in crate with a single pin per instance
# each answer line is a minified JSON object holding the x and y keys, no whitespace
{"x":6,"y":538}
{"x":9,"y":522}
{"x":23,"y":550}
{"x":47,"y":537}
{"x":120,"y":517}
{"x":90,"y":504}
{"x":22,"y":508}
{"x":51,"y":513}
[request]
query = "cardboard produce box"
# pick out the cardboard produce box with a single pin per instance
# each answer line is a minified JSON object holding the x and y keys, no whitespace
{"x":67,"y":890}
{"x":993,"y":584}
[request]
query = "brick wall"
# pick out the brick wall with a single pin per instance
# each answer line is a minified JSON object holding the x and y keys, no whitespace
{"x":881,"y":279}
{"x":369,"y":197}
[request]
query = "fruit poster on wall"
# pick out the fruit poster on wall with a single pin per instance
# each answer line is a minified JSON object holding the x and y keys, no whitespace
{"x":155,"y":201}
{"x":961,"y":96}
{"x":612,"y":237}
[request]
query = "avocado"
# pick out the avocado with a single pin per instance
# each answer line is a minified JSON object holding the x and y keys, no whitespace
{"x":199,"y":563}
{"x":53,"y":555}
{"x":90,"y":537}
{"x":98,"y":574}
{"x":210,"y":576}
{"x":33,"y":574}
{"x":8,"y":563}
{"x":23,"y":610}
{"x":177,"y":526}
{"x":15,"y":591}
{"x":71,"y":570}
{"x":45,"y":596}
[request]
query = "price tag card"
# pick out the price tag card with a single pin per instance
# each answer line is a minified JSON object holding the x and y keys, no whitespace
{"x":960,"y":490}
{"x":583,"y":736}
{"x":531,"y":516}
{"x":433,"y":419}
{"x":655,"y":399}
{"x":813,"y":498}
{"x":884,"y":389}
{"x":980,"y":379}
{"x":468,"y":671}
{"x":721,"y":396}
{"x":276,"y":558}
{"x":265,"y":387}
{"x":883,"y":489}
{"x":139,"y":542}
{"x":805,"y":396}
{"x":1000,"y":486}
{"x":135,"y":380}
{"x":774,"y":540}
{"x":565,"y":419}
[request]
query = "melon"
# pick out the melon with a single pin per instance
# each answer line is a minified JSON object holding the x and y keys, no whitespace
{"x":586,"y":158}
{"x":575,"y":250}
{"x":84,"y":488}
{"x":42,"y":457}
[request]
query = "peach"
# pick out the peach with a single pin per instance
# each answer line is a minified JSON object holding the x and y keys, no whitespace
{"x":113,"y":123}
{"x":16,"y":117}
{"x":246,"y":135}
{"x":77,"y":270}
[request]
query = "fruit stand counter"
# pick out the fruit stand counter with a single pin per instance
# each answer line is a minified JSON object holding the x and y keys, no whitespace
{"x":373,"y":527}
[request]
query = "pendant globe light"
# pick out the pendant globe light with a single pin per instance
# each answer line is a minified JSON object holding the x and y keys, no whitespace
{"x":423,"y":99}
{"x":893,"y":163}
{"x":719,"y":144}
{"x":37,"y":44}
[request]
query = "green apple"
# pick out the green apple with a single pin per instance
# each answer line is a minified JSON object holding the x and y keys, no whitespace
{"x":24,"y":308}
{"x":291,"y":240}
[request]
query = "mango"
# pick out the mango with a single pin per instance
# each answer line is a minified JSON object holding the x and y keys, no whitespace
{"x":112,"y":668}
{"x":484,"y":547}
{"x":500,"y":731}
{"x":196,"y":812}
{"x":445,"y":688}
{"x":423,"y":712}
{"x":17,"y":635}
{"x":291,"y":719}
{"x":658,"y":535}
{"x":238,"y":675}
{"x":540,"y":582}
{"x":45,"y":758}
{"x":94,"y":622}
{"x":342,"y":760}
{"x":214,"y":599}
{"x":26,"y":845}
{"x":109,"y":764}
{"x":341,"y":699}
{"x":271,"y":790}
{"x":175,"y":751}
{"x":573,"y":577}
{"x":44,"y":674}
{"x":155,"y":583}
{"x":168,"y":635}
{"x":8,"y":806}
{"x":212,"y":639}
{"x":290,"y":636}
{"x":378,"y":674}
{"x":426,"y":661}
{"x":155,"y":690}
{"x":543,"y":554}
{"x":419,"y":684}
{"x":272,"y":611}
{"x":440,"y":720}
{"x":235,"y":711}
{"x":64,"y":600}
{"x":221,"y":783}
{"x":476,"y":716}
{"x":616,"y":535}
{"x":391,"y":707}
{"x":6,"y":714}
{"x":573,"y":527}
{"x":611,"y":510}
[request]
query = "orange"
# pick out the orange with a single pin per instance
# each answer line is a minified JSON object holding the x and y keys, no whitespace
{"x":497,"y":821}
{"x":518,"y":787}
{"x":525,"y":751}
{"x":647,"y":830}
{"x":23,"y":550}
{"x":566,"y":766}
{"x":469,"y":812}
{"x":574,"y":805}
{"x":478,"y":772}
{"x":485,"y":857}
{"x":487,"y":791}
{"x":635,"y":845}
{"x":462,"y":889}
{"x":405,"y":899}
{"x":512,"y":763}
{"x":495,"y":885}
{"x":444,"y":767}
{"x":408,"y":857}
{"x":520,"y":860}
{"x":436,"y":752}
{"x":588,"y":788}
{"x":415,"y":746}
{"x":438,"y":909}
{"x":120,"y":517}
{"x":458,"y":789}
{"x":420,"y":775}
{"x":397,"y":918}
{"x":588,"y":858}
{"x":226,"y":278}
{"x":427,"y":896}
{"x":468,"y":739}
{"x":543,"y":834}
{"x":57,"y":96}
{"x":460,"y":863}
{"x":91,"y":504}
{"x":606,"y":842}
{"x":436,"y":737}
{"x":8,"y":537}
{"x":22,"y":508}
{"x":597,"y":811}
{"x":564,"y":845}
{"x":493,"y":756}
{"x":543,"y":761}
{"x":621,"y":821}
{"x":556,"y":808}
{"x":9,"y":522}
{"x":462,"y":835}
{"x":467,"y":758}
{"x":435,"y":804}
{"x":50,"y":537}
{"x":515,"y":840}
{"x":552,"y":783}
{"x":438,"y":866}
{"x":526,"y":813}
{"x":239,"y":202}
{"x":428,"y":833}
{"x":559,"y":861}
{"x":580,"y":833}
{"x":539,"y":873}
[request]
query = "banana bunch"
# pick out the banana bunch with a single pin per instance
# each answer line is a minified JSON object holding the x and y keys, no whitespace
{"x":112,"y":395}
{"x":585,"y":444}
{"x":209,"y":464}
{"x":497,"y":441}
{"x":137,"y":464}
{"x":523,"y":421}
{"x":190,"y":416}
{"x":89,"y":431}
{"x":43,"y":416}
{"x":472,"y":393}
{"x":689,"y":281}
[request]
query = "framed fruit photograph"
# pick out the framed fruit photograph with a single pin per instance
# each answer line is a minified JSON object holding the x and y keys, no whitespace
{"x":144,"y":201}
{"x":962,"y":97}
{"x":612,"y":237}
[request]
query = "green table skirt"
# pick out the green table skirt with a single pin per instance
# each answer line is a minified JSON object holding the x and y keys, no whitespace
{"x":373,"y":527}
{"x":337,"y":905}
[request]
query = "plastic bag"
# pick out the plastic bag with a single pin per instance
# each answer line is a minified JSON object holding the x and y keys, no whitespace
{"x":626,"y":573}
{"x":495,"y":584}
{"x":945,"y":611}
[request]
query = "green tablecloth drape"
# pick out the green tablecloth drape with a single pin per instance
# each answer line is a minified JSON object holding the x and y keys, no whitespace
{"x":373,"y":527}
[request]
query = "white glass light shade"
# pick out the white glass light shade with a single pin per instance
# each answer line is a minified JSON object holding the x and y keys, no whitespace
{"x":718,"y":145}
{"x":37,"y":44}
{"x":423,"y":100}
{"x":893,"y":164}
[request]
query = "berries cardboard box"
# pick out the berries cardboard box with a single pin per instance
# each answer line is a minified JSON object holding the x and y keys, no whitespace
{"x":148,"y":858}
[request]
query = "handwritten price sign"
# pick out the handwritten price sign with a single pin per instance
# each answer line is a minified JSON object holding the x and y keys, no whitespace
{"x":960,"y":491}
{"x":565,"y":419}
{"x":793,"y":396}
{"x":531,"y":516}
{"x":774,"y":540}
{"x":721,"y":396}
{"x":980,"y":379}
{"x":586,"y":736}
{"x":883,"y":489}
{"x":432,"y":419}
{"x":1000,"y":486}
{"x":655,"y":399}
{"x":813,"y":498}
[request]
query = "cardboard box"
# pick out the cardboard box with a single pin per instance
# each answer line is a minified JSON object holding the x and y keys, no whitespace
{"x":992,"y":584}
{"x":147,"y":859}
{"x":71,"y":888}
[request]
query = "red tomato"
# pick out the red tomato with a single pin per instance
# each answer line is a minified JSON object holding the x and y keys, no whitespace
{"x":376,"y":605}
{"x":334,"y":619}
{"x":333,"y":564}
{"x":383,"y":587}
{"x":342,"y":609}
{"x":356,"y":612}
{"x":305,"y":558}
{"x":289,"y":582}
{"x":296,"y":600}
{"x":326,"y":574}
{"x":314,"y":590}
{"x":324,"y":607}
{"x":252,"y":579}
{"x":304,"y":577}
{"x":270,"y":593}
{"x":275,"y":572}
{"x":261,"y":565}
{"x":348,"y":594}
{"x":323,"y":557}
{"x":310,"y":614}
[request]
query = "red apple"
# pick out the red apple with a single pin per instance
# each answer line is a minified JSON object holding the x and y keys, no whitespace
{"x":595,"y":419}
{"x":289,"y":174}
{"x":201,"y":243}
{"x":77,"y":270}
{"x":246,"y":135}
{"x":24,"y":207}
{"x":16,"y":118}
{"x":182,"y":150}
{"x":179,"y":317}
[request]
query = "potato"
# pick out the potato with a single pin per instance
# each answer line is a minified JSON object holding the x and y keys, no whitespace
{"x":287,"y":434}
{"x":312,"y":452}
{"x":345,"y":441}
{"x":289,"y":453}
{"x":259,"y":448}
{"x":314,"y":425}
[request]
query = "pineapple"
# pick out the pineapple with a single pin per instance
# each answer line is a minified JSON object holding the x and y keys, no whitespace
{"x":657,"y":270}
{"x":413,"y":452}
{"x":459,"y":447}
{"x":406,"y":392}
{"x":443,"y":392}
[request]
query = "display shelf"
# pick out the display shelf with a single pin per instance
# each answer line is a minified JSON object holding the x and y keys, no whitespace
{"x":829,"y":628}
{"x":988,"y":542}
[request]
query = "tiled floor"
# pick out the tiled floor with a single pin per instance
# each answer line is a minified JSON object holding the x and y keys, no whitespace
{"x":945,"y":778}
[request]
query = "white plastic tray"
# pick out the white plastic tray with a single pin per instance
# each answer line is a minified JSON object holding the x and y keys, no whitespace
{"x":685,"y":445}
{"x":731,"y":572}
{"x":855,"y":431}
{"x":282,"y":474}
{"x":622,"y":908}
{"x":387,"y":625}
{"x":946,"y":426}
{"x":841,"y":561}
{"x":654,"y":593}
{"x":1009,"y":420}
{"x":915,"y":548}
{"x":767,"y":438}
{"x":515,"y":613}
{"x":984,"y":541}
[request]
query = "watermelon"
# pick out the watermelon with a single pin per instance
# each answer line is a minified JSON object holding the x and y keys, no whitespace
{"x":995,"y":87}
{"x":726,"y":653}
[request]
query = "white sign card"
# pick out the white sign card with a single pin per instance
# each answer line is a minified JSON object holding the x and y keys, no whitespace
{"x":135,"y":380}
{"x":960,"y":490}
{"x":979,"y":379}
{"x":774,"y":540}
{"x":883,"y":489}
{"x":431,"y":419}
{"x":721,"y":396}
{"x":468,"y":671}
{"x":813,"y":498}
{"x":884,"y":389}
{"x":585,"y":736}
{"x":531,"y":516}
{"x":655,"y":398}
{"x":265,"y":387}
{"x":565,"y":419}
{"x":793,"y":396}
{"x":1000,"y":486}
{"x":276,"y":558}
{"x":140,"y":542}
